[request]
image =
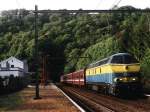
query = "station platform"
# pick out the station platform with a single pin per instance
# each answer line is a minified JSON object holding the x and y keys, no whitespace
{"x":53,"y":100}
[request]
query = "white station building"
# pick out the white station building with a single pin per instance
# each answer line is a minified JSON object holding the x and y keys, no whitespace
{"x":13,"y":66}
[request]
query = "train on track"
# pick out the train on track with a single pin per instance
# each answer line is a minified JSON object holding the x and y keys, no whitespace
{"x":118,"y":74}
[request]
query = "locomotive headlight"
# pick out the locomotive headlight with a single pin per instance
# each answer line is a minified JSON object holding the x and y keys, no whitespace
{"x":116,"y":79}
{"x":133,"y":79}
{"x":120,"y":79}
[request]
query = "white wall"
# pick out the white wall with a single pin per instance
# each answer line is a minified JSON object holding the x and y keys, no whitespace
{"x":19,"y":68}
{"x":12,"y":61}
{"x":25,"y":66}
{"x":8,"y":73}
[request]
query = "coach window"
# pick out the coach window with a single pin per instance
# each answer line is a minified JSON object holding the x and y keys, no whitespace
{"x":87,"y":72}
{"x":96,"y":71}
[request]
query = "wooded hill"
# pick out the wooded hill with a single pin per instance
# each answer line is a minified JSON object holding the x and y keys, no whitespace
{"x":66,"y":38}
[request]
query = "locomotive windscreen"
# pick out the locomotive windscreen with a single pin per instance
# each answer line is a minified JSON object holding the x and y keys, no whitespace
{"x":129,"y":59}
{"x":123,"y":59}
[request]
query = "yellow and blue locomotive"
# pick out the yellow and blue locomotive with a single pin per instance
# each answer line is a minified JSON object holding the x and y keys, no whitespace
{"x":117,"y":74}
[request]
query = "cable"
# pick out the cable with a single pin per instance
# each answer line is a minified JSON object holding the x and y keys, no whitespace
{"x":115,"y":6}
{"x":118,"y":2}
{"x":107,"y":18}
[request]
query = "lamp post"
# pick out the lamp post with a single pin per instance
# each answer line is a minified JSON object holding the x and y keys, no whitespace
{"x":36,"y":55}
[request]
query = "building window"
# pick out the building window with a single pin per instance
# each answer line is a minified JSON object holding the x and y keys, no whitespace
{"x":7,"y":65}
{"x":12,"y":66}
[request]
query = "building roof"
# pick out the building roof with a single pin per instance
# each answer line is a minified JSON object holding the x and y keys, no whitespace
{"x":10,"y":58}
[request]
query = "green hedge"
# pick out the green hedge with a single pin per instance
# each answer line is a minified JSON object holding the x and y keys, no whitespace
{"x":11,"y":84}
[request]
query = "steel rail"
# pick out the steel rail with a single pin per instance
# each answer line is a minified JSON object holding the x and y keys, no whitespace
{"x":84,"y":98}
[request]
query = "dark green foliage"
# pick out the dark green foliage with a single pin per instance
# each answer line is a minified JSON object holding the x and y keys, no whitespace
{"x":12,"y":83}
{"x":64,"y":38}
{"x":1,"y":86}
{"x":98,"y":51}
{"x":145,"y":65}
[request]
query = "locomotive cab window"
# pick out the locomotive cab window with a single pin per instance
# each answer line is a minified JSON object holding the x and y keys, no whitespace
{"x":129,"y":59}
{"x":117,"y":59}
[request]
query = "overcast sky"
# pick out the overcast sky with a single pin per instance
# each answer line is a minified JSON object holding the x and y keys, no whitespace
{"x":70,"y":4}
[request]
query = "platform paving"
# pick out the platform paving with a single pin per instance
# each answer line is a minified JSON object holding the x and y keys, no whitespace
{"x":52,"y":101}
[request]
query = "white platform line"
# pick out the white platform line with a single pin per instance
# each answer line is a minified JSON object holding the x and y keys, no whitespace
{"x":80,"y":108}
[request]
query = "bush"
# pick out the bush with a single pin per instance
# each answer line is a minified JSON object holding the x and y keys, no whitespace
{"x":12,"y":84}
{"x":1,"y":86}
{"x":145,"y":70}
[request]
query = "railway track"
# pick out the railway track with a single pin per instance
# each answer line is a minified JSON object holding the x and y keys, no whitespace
{"x":94,"y":102}
{"x":89,"y":104}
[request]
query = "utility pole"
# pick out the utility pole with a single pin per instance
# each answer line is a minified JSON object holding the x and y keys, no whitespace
{"x":36,"y":55}
{"x":44,"y":71}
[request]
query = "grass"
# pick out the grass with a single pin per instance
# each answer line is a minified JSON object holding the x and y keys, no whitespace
{"x":8,"y":102}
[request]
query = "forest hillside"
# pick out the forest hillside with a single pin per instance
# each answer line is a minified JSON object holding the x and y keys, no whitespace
{"x":65,"y":38}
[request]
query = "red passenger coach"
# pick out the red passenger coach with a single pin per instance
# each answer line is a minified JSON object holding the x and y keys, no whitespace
{"x":75,"y":78}
{"x":69,"y":79}
{"x":78,"y":78}
{"x":66,"y":78}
